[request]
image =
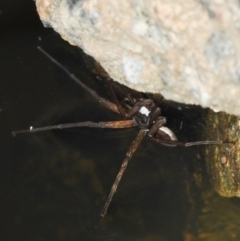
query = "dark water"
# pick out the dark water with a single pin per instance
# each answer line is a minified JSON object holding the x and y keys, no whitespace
{"x":53,"y":184}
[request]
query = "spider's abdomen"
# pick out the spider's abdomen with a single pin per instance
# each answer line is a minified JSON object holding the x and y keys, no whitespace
{"x":168,"y":132}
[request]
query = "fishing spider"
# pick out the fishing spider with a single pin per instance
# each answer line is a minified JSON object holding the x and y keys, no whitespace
{"x":142,"y":113}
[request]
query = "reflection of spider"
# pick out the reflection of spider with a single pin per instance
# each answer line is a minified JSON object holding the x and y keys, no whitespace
{"x":141,"y":113}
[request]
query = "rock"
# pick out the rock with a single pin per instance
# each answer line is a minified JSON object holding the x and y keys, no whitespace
{"x":223,"y":161}
{"x":186,"y":50}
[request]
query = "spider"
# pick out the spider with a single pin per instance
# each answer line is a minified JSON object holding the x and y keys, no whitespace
{"x":143,"y":113}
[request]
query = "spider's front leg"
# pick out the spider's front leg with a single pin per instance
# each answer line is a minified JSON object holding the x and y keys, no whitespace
{"x":93,"y":93}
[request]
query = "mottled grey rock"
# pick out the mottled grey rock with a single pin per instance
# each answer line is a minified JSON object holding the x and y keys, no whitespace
{"x":187,"y":50}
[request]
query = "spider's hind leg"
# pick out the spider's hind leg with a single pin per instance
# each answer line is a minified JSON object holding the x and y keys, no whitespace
{"x":129,"y":154}
{"x":173,"y":143}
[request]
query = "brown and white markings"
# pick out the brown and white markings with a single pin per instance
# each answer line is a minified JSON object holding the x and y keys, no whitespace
{"x":142,"y":113}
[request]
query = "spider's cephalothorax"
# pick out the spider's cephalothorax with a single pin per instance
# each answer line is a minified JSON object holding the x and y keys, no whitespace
{"x":147,"y":115}
{"x":144,"y":113}
{"x":141,"y":113}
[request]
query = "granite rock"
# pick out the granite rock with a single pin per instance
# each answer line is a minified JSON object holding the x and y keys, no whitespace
{"x":187,"y":50}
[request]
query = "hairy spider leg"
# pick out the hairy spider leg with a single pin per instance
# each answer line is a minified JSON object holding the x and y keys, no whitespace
{"x":142,"y":133}
{"x":92,"y":92}
{"x":110,"y":124}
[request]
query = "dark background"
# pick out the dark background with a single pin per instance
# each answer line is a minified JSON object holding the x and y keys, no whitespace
{"x":53,"y":184}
